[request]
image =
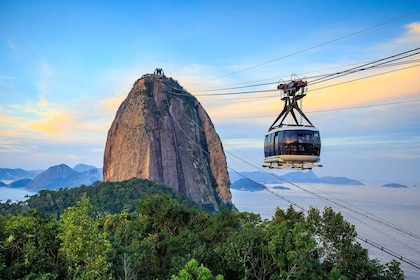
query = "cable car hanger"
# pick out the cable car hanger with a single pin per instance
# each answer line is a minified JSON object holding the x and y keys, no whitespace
{"x":293,"y":91}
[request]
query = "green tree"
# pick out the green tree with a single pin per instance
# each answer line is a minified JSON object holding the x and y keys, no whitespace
{"x":193,"y":271}
{"x":338,"y":249}
{"x":29,"y":247}
{"x":121,"y":233}
{"x":392,"y":271}
{"x":84,"y":246}
{"x":292,"y":246}
{"x":277,"y":249}
{"x":159,"y":239}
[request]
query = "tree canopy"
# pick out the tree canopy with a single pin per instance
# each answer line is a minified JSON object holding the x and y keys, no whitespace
{"x":164,"y":237}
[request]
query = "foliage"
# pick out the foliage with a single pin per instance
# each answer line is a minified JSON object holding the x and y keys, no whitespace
{"x":192,"y":271}
{"x":105,"y":197}
{"x":84,"y":246}
{"x":29,"y":247}
{"x":163,"y":237}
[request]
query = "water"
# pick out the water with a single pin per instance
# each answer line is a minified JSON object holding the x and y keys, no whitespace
{"x":399,"y":207}
{"x":14,"y":195}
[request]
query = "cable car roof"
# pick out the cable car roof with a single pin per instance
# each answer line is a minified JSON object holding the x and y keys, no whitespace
{"x":289,"y":127}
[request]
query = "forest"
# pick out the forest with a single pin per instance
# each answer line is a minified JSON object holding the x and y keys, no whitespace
{"x":137,"y":229}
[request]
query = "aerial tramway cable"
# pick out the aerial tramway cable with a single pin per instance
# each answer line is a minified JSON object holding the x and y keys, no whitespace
{"x":380,"y":63}
{"x":274,"y":80}
{"x":349,"y":207}
{"x":360,"y":237}
{"x":378,"y":220}
{"x":367,"y":66}
{"x":315,"y":46}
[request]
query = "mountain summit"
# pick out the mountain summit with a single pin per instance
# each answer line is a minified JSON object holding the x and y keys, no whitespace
{"x":162,"y":133}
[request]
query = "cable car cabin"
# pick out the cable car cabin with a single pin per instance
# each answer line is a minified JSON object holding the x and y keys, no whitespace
{"x":292,"y":145}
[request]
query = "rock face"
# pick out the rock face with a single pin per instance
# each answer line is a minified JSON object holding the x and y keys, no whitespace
{"x":162,"y":133}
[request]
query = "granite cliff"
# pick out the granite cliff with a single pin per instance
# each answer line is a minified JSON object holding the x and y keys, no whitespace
{"x":162,"y":133}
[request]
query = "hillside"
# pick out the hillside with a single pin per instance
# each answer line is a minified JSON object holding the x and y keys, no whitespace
{"x":106,"y":197}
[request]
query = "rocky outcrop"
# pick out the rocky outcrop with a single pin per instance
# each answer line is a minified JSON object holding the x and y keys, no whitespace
{"x":162,"y":133}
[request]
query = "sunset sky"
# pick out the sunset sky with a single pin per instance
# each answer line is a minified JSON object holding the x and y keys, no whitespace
{"x":66,"y":66}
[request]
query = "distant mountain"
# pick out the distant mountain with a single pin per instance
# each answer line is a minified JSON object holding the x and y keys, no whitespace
{"x":294,"y":177}
{"x":280,"y":188}
{"x":8,"y":175}
{"x":339,"y":181}
{"x":83,"y":167}
{"x":247,"y":185}
{"x":395,"y":185}
{"x":62,"y":176}
{"x":22,"y":183}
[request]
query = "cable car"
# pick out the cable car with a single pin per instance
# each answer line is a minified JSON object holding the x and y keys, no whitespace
{"x":293,"y":145}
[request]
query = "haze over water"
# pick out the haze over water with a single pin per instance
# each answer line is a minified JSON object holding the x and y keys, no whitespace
{"x":399,"y":207}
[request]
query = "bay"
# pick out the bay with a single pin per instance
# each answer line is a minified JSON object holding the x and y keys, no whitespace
{"x":14,"y":194}
{"x":386,"y":217}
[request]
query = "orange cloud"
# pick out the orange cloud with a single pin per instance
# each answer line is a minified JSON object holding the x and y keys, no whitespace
{"x":111,"y":104}
{"x":399,"y":86}
{"x":411,"y":35}
{"x":51,"y":122}
{"x":395,"y":86}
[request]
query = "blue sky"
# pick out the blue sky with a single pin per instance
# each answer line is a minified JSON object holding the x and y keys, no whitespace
{"x":67,"y":65}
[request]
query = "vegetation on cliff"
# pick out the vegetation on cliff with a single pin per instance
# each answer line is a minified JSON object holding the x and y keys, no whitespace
{"x":164,"y":237}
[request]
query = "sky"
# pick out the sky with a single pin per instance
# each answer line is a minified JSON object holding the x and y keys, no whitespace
{"x":66,"y":66}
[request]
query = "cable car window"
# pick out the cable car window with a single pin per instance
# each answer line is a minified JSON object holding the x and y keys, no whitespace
{"x":305,"y":136}
{"x":290,"y":137}
{"x":279,"y":143}
{"x":271,"y":144}
{"x":275,"y":143}
{"x":266,"y":145}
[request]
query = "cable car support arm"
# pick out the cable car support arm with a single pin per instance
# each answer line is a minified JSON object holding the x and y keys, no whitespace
{"x":293,"y":91}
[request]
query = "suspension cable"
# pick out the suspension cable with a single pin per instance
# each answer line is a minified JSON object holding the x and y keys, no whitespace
{"x":389,"y":251}
{"x":315,"y":46}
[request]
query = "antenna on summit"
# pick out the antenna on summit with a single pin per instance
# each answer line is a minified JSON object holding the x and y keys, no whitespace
{"x":159,"y":73}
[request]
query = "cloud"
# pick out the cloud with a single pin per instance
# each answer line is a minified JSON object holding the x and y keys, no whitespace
{"x":5,"y":78}
{"x":7,"y":125}
{"x":43,"y":83}
{"x":411,"y":35}
{"x":11,"y":148}
{"x":11,"y":45}
{"x":111,"y":104}
{"x":385,"y":145}
{"x":244,"y":143}
{"x":51,"y":121}
{"x":397,"y":86}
